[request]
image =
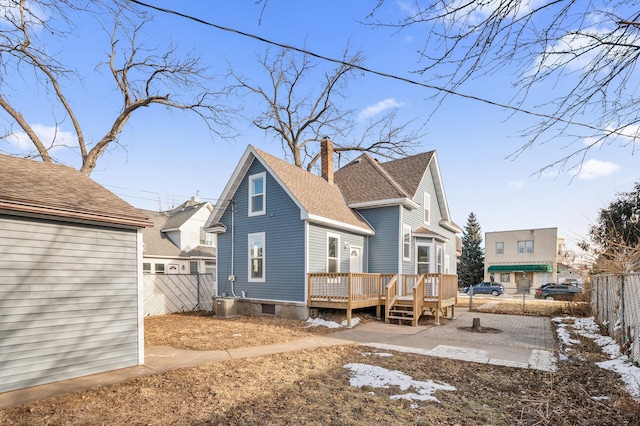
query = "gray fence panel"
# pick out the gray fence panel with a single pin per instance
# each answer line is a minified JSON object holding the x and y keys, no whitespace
{"x":166,"y":294}
{"x":616,"y":305}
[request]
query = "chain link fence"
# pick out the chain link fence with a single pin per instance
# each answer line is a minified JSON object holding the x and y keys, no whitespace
{"x":615,"y":301}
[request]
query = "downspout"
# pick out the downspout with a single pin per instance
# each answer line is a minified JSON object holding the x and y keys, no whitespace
{"x":232,"y":277}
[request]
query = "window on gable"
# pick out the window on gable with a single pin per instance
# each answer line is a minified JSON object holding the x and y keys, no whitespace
{"x":525,"y":247}
{"x":499,"y":248}
{"x":333,"y":253}
{"x":427,"y":208}
{"x":406,"y":242}
{"x":257,"y":194}
{"x":256,"y":257}
{"x":206,"y":238}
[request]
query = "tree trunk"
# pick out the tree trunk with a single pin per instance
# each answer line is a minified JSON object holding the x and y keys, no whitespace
{"x":476,"y":325}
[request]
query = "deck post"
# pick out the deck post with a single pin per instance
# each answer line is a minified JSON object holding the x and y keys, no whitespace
{"x":378,"y":310}
{"x":349,"y":298}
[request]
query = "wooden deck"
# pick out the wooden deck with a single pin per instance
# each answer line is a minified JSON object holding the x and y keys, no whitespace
{"x":405,"y":297}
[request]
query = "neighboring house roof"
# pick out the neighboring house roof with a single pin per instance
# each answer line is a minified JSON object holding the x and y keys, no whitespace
{"x":179,"y":215}
{"x":34,"y":188}
{"x":156,"y":241}
{"x":318,"y":200}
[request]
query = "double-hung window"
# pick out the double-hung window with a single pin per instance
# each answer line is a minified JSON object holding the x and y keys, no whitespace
{"x":256,"y":257}
{"x":257,"y":194}
{"x":427,"y":208}
{"x":406,"y":242}
{"x":525,"y":247}
{"x":423,"y":257}
{"x":500,"y":247}
{"x":333,"y":253}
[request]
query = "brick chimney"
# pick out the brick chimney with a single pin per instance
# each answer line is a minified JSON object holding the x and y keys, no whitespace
{"x":326,"y":159}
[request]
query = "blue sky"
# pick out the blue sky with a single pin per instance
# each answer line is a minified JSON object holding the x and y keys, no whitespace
{"x":170,"y":156}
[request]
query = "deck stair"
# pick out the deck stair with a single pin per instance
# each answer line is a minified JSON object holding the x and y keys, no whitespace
{"x":402,"y":311}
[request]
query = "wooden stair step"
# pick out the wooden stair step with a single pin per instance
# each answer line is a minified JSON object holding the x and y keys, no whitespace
{"x":404,"y":317}
{"x":395,"y":311}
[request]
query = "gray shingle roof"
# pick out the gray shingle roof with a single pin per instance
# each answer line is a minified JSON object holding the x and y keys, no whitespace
{"x":157,"y":243}
{"x":366,"y":180}
{"x":45,"y":189}
{"x":316,"y":195}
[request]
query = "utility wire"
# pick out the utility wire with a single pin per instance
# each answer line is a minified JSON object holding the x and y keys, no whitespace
{"x":375,"y":72}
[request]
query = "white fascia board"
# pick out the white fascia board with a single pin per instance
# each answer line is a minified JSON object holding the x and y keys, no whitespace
{"x":405,"y":202}
{"x":440,"y":189}
{"x":160,"y":256}
{"x":449,"y":226}
{"x":231,"y":186}
{"x":335,"y":224}
{"x":218,"y":228}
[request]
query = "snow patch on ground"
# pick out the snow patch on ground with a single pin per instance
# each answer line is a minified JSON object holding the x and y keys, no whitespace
{"x":618,"y":363}
{"x":319,"y":322}
{"x":379,"y":377}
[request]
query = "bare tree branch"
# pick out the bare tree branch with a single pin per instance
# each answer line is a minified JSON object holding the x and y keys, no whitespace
{"x":299,"y":115}
{"x":143,"y":76}
{"x":585,"y":51}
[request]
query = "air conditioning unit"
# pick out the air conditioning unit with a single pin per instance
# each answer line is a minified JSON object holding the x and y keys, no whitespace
{"x":226,"y":307}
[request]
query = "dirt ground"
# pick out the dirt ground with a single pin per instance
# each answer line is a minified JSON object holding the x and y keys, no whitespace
{"x":313,"y":386}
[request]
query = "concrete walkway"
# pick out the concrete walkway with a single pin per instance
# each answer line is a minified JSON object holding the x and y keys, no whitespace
{"x":525,"y":342}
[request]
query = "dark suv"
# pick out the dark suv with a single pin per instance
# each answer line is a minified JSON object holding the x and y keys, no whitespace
{"x":554,"y":291}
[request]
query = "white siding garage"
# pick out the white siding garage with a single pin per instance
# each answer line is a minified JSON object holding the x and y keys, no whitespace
{"x":70,"y":302}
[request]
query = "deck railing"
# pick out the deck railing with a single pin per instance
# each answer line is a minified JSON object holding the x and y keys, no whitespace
{"x":418,"y":302}
{"x":391,"y":290}
{"x":357,"y":290}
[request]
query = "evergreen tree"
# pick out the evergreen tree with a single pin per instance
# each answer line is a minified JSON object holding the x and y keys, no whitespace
{"x":471,"y":266}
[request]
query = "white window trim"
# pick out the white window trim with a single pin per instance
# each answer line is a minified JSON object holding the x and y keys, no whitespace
{"x":331,"y":235}
{"x":431,"y":255}
{"x":427,"y":207}
{"x":262,"y":175}
{"x":406,"y":229}
{"x":264,"y":257}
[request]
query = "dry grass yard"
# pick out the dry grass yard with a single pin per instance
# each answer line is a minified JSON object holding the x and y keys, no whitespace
{"x":314,"y":387}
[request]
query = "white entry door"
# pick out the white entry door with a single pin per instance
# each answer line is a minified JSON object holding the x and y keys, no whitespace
{"x":355,"y":261}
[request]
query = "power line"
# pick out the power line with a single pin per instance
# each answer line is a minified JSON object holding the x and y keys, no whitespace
{"x":375,"y":72}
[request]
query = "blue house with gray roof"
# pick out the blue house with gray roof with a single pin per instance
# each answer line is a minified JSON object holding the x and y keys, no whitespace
{"x":280,"y":228}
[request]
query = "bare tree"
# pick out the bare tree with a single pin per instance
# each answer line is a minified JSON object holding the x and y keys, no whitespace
{"x":299,"y":113}
{"x":578,"y":56}
{"x":142,"y":76}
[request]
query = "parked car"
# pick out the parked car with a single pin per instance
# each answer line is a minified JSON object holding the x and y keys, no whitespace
{"x":494,"y":289}
{"x":553,"y":291}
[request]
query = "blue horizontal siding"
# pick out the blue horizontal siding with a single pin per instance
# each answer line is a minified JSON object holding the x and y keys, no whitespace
{"x":284,"y":245}
{"x":383,"y":246}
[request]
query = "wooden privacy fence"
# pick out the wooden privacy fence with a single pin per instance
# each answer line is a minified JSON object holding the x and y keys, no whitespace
{"x":166,"y":294}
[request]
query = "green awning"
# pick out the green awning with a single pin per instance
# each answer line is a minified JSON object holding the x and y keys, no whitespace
{"x":541,"y":267}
